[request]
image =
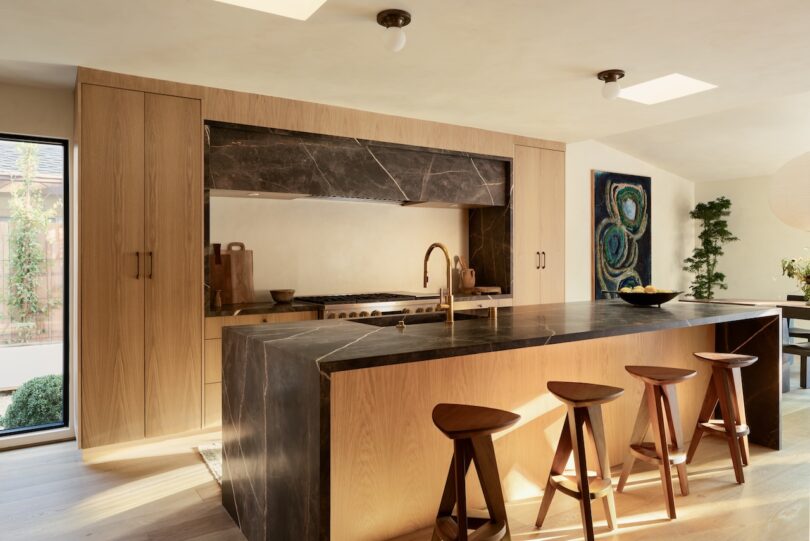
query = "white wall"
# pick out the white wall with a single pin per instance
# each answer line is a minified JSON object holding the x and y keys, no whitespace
{"x":320,"y":247}
{"x":672,"y":229}
{"x":752,"y":264}
{"x":28,"y":110}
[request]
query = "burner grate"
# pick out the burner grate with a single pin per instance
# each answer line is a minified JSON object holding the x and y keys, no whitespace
{"x":355,"y":299}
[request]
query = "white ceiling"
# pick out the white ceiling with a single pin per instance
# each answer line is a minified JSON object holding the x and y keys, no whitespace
{"x":520,"y":66}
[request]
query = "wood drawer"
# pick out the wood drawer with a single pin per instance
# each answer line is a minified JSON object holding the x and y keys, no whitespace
{"x":213,"y":360}
{"x":213,"y":404}
{"x":213,"y":327}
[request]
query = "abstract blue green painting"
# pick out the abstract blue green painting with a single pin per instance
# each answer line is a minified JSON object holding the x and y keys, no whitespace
{"x":622,"y":219}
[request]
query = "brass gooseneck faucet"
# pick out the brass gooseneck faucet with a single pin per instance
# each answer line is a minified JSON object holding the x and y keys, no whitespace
{"x":442,"y":305}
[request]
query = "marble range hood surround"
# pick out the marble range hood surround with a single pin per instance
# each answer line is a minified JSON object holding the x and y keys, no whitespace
{"x":268,"y":160}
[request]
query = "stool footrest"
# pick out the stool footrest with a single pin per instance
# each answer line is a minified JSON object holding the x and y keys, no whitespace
{"x":716,"y":426}
{"x":597,"y":487}
{"x":646,"y":452}
{"x":447,"y":530}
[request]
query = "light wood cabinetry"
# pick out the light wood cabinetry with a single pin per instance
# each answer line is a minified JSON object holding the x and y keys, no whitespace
{"x":173,"y":259}
{"x":212,"y":373}
{"x":112,"y":238}
{"x":141,"y":264}
{"x":539,"y":225}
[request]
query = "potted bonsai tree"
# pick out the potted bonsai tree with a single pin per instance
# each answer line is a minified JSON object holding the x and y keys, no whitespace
{"x":714,"y":234}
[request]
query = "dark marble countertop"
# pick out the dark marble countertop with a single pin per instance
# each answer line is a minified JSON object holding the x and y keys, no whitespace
{"x":346,"y":345}
{"x":260,"y":308}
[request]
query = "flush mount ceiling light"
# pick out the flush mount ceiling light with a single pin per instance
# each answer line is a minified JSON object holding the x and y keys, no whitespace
{"x":394,"y":20}
{"x":294,"y":9}
{"x":611,"y":78}
{"x":666,"y":88}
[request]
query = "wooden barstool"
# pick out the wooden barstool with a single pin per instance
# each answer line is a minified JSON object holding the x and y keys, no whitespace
{"x":659,"y":409}
{"x":584,"y":401}
{"x":471,"y":429}
{"x":725,"y":387}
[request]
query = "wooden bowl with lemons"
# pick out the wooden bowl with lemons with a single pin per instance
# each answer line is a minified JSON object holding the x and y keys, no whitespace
{"x":647,"y":295}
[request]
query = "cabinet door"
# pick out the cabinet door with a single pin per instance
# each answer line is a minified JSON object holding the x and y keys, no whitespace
{"x":112,"y":281}
{"x":173,"y":264}
{"x":527,"y":196}
{"x":552,"y":226}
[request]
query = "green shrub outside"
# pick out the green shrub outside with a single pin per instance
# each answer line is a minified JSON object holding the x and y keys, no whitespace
{"x":38,"y":401}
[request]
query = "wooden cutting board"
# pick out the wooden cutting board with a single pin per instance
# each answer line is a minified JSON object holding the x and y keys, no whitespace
{"x":231,"y":272}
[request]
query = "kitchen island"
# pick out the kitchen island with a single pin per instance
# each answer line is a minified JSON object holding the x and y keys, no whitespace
{"x":326,"y":424}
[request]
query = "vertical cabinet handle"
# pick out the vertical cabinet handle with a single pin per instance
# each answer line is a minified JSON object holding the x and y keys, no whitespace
{"x":538,"y":260}
{"x":544,"y":260}
{"x":137,"y":265}
{"x":151,"y":264}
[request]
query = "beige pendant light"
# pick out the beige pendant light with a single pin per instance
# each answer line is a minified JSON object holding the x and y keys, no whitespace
{"x":790,"y":193}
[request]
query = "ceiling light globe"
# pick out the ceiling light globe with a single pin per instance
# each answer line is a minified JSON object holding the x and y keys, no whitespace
{"x":790,"y":193}
{"x":611,"y":90}
{"x":395,"y":39}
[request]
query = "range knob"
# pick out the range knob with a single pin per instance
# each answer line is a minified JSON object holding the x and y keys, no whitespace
{"x":353,"y":314}
{"x":331,"y":316}
{"x":406,"y":310}
{"x":429,"y":309}
{"x":420,"y":310}
{"x":363,"y":314}
{"x":376,"y":313}
{"x":342,"y":315}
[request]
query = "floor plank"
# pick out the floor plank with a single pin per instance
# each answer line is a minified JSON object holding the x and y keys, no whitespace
{"x":163,"y":491}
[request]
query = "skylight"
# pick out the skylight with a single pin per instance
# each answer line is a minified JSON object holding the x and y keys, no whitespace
{"x":666,"y":88}
{"x":294,"y":9}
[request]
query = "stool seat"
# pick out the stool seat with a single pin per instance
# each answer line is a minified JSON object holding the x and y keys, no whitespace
{"x":727,"y":360}
{"x":725,"y":389}
{"x":460,"y":421}
{"x":583,"y":394}
{"x":660,"y":375}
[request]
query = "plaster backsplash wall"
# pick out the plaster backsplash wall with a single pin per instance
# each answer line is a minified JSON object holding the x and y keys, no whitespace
{"x":318,"y":246}
{"x":672,"y":229}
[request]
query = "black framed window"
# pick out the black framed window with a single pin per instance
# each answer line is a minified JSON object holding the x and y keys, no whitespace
{"x":34,"y":284}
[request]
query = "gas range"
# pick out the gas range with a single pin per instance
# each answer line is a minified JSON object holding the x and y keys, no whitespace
{"x":369,"y":305}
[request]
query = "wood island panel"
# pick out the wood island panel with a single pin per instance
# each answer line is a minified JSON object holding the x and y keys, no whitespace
{"x":389,"y":463}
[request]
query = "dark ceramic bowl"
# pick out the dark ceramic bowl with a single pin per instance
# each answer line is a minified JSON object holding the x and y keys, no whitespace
{"x":648,"y":299}
{"x":282,"y":295}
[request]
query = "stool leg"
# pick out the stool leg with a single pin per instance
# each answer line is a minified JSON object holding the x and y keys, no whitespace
{"x":597,"y":429}
{"x":675,"y":431}
{"x":803,"y":372}
{"x":727,"y":410}
{"x":739,"y":411}
{"x":661,"y":446}
{"x":576,"y":420}
{"x":709,"y":403}
{"x":483,"y":452}
{"x":448,"y":501}
{"x":461,"y":460}
{"x":557,"y":467}
{"x":639,"y":431}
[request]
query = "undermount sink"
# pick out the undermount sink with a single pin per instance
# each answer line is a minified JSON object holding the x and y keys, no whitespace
{"x":412,"y":319}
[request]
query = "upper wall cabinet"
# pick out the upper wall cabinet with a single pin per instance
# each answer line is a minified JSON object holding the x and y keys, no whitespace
{"x":141,"y":264}
{"x":245,"y":158}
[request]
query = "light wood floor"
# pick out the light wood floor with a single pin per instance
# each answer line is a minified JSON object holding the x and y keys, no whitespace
{"x":163,"y":491}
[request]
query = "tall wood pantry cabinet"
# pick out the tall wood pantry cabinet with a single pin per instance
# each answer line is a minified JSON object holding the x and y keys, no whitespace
{"x":539,"y":225}
{"x":141,"y":307}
